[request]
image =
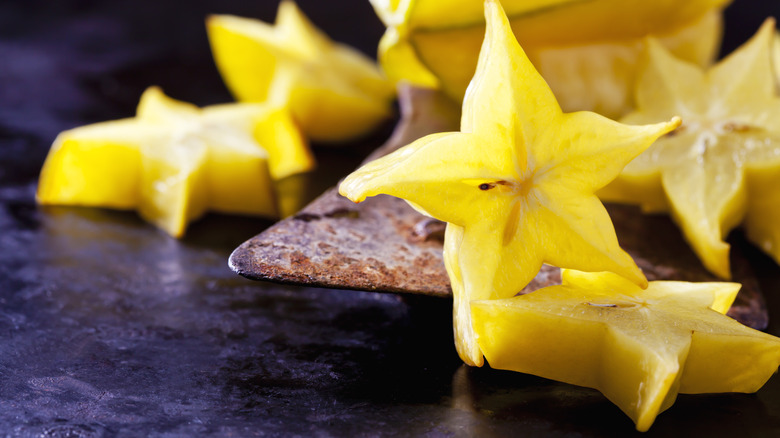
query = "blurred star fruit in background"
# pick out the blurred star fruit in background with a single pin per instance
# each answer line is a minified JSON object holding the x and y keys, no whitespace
{"x":174,"y":161}
{"x":721,"y":168}
{"x":585,"y":50}
{"x":334,"y":92}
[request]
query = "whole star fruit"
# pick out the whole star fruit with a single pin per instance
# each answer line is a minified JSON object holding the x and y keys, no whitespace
{"x":334,"y":92}
{"x":721,"y":168}
{"x":516,"y":185}
{"x":640,"y":348}
{"x":586,"y":50}
{"x":174,"y":161}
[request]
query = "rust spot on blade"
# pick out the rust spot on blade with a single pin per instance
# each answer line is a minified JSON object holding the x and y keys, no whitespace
{"x":429,"y":229}
{"x":368,"y":249}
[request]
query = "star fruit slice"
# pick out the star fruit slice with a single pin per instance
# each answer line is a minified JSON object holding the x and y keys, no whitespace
{"x":720,"y":168}
{"x":516,"y":185}
{"x":638,"y":347}
{"x":586,"y":50}
{"x":174,"y":161}
{"x":334,"y":92}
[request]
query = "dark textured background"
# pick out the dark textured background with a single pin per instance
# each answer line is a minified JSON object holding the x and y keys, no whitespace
{"x":110,"y":328}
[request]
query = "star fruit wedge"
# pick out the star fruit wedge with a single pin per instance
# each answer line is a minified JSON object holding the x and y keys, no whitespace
{"x":174,"y":161}
{"x":515,"y":185}
{"x":586,"y":50}
{"x":334,"y":92}
{"x":721,"y":168}
{"x":640,"y":348}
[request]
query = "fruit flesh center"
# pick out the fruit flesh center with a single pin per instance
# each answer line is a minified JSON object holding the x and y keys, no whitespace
{"x":609,"y":304}
{"x":519,"y":192}
{"x":709,"y":132}
{"x":519,"y":188}
{"x":702,"y":141}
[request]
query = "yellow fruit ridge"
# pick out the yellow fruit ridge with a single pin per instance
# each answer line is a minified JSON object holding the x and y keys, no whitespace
{"x":585,"y":49}
{"x":174,"y":161}
{"x":334,"y":92}
{"x":776,"y":57}
{"x":721,"y":168}
{"x":516,"y":185}
{"x":640,"y":348}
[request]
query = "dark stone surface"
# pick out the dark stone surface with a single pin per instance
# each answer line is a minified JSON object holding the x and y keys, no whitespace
{"x":108,"y":328}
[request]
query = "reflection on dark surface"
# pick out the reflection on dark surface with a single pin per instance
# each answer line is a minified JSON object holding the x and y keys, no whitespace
{"x":496,"y":400}
{"x":108,"y":327}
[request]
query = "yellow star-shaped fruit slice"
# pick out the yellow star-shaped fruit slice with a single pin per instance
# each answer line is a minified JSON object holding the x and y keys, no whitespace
{"x":516,"y":185}
{"x":174,"y":161}
{"x":585,"y":50}
{"x":721,"y":168}
{"x":334,"y":92}
{"x":640,"y":348}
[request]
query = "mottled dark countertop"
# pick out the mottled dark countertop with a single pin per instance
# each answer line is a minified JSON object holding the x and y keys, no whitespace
{"x":110,"y":328}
